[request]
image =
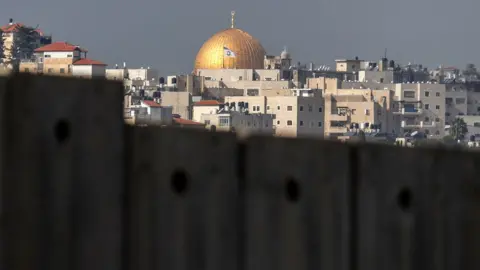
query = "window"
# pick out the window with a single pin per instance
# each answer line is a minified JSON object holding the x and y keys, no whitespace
{"x":409,"y":94}
{"x":353,"y":111}
{"x":268,"y":108}
{"x":448,"y":101}
{"x":437,"y":119}
{"x":301,"y":108}
{"x":301,"y":123}
{"x":478,"y":109}
{"x":320,"y":109}
{"x":223,"y":121}
{"x":437,"y":107}
{"x":437,"y":94}
{"x":289,"y":123}
{"x":62,"y":70}
{"x":289,"y":108}
{"x":427,"y":119}
{"x":207,"y":122}
{"x":427,"y":106}
{"x":248,"y":123}
{"x":50,"y":70}
{"x":278,"y":122}
{"x":319,"y":124}
{"x":427,"y":131}
{"x":278,"y":107}
{"x":69,"y":55}
{"x":460,"y":100}
{"x":27,"y":70}
{"x":367,"y":112}
{"x":437,"y":132}
{"x":476,"y":124}
{"x":427,"y":94}
{"x":47,"y":56}
{"x":310,"y":108}
{"x":447,"y":114}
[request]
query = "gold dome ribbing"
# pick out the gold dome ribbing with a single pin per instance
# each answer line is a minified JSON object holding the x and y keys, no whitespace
{"x":248,"y":50}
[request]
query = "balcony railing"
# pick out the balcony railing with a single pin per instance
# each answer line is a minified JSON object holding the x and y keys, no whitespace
{"x":408,"y":111}
{"x":339,"y":117}
{"x":420,"y":124}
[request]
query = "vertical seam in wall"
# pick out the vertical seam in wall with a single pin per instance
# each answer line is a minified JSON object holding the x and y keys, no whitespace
{"x":352,"y":207}
{"x":126,"y":250}
{"x":241,"y":205}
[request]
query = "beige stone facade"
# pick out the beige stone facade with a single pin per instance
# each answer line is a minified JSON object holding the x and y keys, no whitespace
{"x":294,"y":116}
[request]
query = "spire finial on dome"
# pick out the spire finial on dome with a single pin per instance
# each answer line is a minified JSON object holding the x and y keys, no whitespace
{"x":233,"y":19}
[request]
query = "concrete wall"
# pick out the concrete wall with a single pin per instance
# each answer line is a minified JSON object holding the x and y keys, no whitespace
{"x":262,"y":203}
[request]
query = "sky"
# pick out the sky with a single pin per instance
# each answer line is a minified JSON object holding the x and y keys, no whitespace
{"x":167,"y":34}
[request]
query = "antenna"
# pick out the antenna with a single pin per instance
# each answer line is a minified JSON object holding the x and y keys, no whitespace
{"x":385,"y":53}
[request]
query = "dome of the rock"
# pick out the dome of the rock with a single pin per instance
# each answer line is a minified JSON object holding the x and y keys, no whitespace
{"x":229,"y":49}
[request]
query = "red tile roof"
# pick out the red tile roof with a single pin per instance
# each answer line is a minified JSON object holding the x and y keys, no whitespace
{"x":60,"y":47}
{"x":207,"y":103}
{"x":185,"y":122}
{"x":151,"y":103}
{"x":12,"y":27}
{"x":88,"y":62}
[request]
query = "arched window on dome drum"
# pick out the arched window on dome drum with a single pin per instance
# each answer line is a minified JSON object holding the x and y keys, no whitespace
{"x":161,"y":80}
{"x":174,"y":80}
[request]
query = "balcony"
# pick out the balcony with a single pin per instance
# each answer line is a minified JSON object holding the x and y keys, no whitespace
{"x":421,"y":124}
{"x":408,"y":111}
{"x":339,"y":117}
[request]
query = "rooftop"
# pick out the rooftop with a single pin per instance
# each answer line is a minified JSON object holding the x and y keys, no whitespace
{"x":207,"y":103}
{"x":60,"y":47}
{"x":89,"y":62}
{"x":9,"y":28}
{"x":185,"y":122}
{"x":151,"y":103}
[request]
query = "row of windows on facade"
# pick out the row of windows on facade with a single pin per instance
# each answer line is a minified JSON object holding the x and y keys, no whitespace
{"x":300,"y":123}
{"x":225,"y":121}
{"x":411,"y":94}
{"x":50,"y":70}
{"x":289,"y":108}
{"x":449,"y":101}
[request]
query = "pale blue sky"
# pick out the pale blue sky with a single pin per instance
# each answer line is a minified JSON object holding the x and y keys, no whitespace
{"x":166,"y":34}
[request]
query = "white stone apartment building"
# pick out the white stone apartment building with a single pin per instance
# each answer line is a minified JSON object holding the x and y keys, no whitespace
{"x":233,"y":118}
{"x":421,"y":106}
{"x":205,"y":107}
{"x":294,"y":116}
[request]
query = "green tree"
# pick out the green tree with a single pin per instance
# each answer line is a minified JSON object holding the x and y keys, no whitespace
{"x":458,"y":129}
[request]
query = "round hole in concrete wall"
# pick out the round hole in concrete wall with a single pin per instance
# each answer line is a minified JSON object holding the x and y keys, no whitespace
{"x":404,"y":199}
{"x":292,"y":190}
{"x":62,"y":130}
{"x":179,"y":181}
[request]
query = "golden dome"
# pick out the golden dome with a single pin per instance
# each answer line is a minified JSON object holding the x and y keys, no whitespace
{"x":249,"y":53}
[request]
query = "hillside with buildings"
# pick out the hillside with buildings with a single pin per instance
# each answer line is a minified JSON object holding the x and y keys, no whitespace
{"x":235,"y":86}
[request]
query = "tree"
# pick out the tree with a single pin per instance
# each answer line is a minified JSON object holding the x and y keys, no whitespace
{"x":470,"y":72}
{"x":24,"y":45}
{"x":2,"y":47}
{"x":458,"y":129}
